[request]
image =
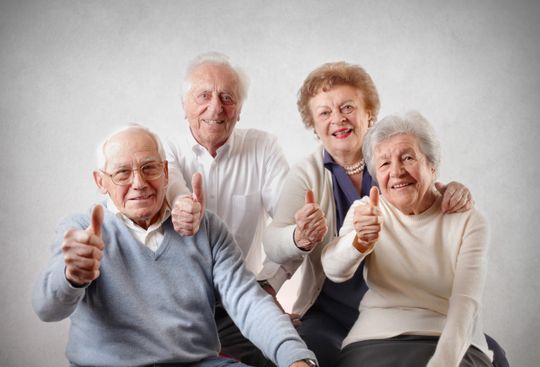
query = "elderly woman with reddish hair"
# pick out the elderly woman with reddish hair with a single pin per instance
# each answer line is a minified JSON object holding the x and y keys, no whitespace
{"x":339,"y":103}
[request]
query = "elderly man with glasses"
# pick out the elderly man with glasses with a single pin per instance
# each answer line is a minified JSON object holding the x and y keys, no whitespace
{"x":140,"y":294}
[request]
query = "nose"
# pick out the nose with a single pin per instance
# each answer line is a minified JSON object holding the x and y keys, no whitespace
{"x":214,"y":105}
{"x":396,"y":169}
{"x":138,"y":180}
{"x":337,"y":117}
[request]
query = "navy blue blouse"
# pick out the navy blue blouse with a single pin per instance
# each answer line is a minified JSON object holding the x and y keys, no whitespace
{"x":341,"y":300}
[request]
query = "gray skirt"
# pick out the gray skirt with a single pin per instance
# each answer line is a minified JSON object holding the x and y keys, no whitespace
{"x":402,"y":351}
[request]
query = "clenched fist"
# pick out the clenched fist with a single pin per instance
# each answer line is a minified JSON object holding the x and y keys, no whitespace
{"x":188,"y":210}
{"x":367,"y":222}
{"x":311,"y":224}
{"x":83,"y":250}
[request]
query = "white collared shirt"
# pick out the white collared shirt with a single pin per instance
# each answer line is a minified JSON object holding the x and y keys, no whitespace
{"x":241,"y":184}
{"x":151,"y":237}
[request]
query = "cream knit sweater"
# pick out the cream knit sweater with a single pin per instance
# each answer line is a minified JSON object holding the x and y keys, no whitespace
{"x":426,"y":276}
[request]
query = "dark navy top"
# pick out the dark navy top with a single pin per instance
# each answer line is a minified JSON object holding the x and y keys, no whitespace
{"x":341,"y":300}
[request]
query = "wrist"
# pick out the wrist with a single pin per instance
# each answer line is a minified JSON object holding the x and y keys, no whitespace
{"x":301,"y":243}
{"x":265,"y":284}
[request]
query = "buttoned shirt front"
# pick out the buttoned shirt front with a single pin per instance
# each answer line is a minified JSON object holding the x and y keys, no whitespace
{"x":241,"y":184}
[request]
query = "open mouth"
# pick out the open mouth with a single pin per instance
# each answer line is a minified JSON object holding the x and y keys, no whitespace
{"x":342,"y":133}
{"x":213,"y":122}
{"x":142,"y":197}
{"x":401,"y":185}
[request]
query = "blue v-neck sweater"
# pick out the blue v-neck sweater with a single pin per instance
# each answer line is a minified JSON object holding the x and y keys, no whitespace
{"x":148,"y":307}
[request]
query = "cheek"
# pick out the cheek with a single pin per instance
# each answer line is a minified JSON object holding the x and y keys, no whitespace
{"x":194,"y":110}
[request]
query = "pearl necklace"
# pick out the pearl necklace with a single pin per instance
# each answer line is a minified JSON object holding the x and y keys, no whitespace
{"x":354,"y":168}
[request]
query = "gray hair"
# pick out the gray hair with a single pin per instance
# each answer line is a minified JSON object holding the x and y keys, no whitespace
{"x":410,"y":123}
{"x":100,"y":151}
{"x":216,"y":58}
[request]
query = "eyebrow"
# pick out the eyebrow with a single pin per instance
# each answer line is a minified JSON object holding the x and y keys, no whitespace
{"x":129,"y":165}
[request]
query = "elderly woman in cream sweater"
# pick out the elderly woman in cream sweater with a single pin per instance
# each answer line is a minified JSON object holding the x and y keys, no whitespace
{"x":425,"y":270}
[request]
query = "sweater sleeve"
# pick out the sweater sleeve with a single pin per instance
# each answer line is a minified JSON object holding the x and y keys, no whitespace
{"x":467,"y":290}
{"x":53,"y":297}
{"x":252,"y":310}
{"x":340,"y":259}
{"x":278,"y":238}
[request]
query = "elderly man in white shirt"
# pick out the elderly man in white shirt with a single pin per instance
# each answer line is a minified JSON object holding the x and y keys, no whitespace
{"x":242,"y":169}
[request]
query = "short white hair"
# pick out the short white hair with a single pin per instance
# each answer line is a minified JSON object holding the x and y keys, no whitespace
{"x":216,"y":58}
{"x":410,"y":123}
{"x":100,"y":151}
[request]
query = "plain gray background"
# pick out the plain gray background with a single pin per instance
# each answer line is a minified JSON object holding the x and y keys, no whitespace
{"x":72,"y":71}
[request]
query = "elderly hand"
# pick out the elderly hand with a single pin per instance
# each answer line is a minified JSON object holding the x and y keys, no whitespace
{"x":188,"y":210}
{"x":83,"y":250}
{"x":311,"y":224}
{"x":367,"y":222}
{"x":456,"y":197}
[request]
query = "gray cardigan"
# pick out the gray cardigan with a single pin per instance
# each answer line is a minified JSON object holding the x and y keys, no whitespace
{"x":148,"y":307}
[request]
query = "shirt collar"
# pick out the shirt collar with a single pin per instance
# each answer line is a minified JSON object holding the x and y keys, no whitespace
{"x":198,"y":149}
{"x":164,"y":214}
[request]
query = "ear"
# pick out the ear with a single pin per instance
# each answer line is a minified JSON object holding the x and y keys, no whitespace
{"x":98,"y":179}
{"x":166,"y":172}
{"x":371,"y":120}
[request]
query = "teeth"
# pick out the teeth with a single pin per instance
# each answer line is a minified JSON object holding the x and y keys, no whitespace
{"x":213,"y":122}
{"x":398,"y":186}
{"x":342,"y":132}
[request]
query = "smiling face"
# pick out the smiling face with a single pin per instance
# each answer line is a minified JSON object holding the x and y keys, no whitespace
{"x":404,"y":174}
{"x":341,"y":121}
{"x":212,"y":105}
{"x":141,"y":201}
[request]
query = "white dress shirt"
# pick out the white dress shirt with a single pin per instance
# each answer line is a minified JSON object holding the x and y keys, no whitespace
{"x":241,"y":185}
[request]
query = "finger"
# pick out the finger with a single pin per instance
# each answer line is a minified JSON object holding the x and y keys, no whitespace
{"x":197,"y":187}
{"x":96,"y":220}
{"x":310,"y":198}
{"x":440,"y":187}
{"x":449,"y":197}
{"x":374,"y":197}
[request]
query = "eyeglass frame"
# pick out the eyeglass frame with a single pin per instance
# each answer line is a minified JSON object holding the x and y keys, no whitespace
{"x":132,"y":174}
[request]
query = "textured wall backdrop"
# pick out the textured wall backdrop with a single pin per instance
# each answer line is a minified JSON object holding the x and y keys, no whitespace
{"x":71,"y":71}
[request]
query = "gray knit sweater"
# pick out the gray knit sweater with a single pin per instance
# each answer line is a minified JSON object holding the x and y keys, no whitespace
{"x":158,"y":307}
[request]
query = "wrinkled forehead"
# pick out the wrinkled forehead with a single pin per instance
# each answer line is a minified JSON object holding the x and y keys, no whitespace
{"x":129,"y":147}
{"x":214,"y":77}
{"x":396,"y":145}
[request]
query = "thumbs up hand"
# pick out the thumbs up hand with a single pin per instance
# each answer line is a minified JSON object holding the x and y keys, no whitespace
{"x":367,"y":222}
{"x":188,"y":210}
{"x":311,"y":224}
{"x":83,"y":250}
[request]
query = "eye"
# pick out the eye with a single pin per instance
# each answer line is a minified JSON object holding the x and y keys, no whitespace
{"x":383,"y":163}
{"x":347,"y":108}
{"x":324,"y":113}
{"x":122,"y":174}
{"x":226,"y":99}
{"x":151,"y":169}
{"x":203,"y":97}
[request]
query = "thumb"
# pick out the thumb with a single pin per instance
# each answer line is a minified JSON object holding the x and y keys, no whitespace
{"x":96,"y":220}
{"x":197,"y":187}
{"x":374,"y":197}
{"x":310,"y":198}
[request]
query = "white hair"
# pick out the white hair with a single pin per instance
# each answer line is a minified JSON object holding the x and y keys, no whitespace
{"x":410,"y":123}
{"x":216,"y":58}
{"x":100,"y":151}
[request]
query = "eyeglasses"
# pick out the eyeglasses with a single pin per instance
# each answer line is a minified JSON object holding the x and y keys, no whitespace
{"x":148,"y":171}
